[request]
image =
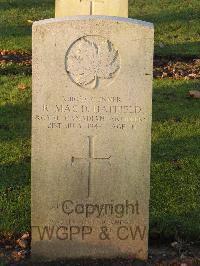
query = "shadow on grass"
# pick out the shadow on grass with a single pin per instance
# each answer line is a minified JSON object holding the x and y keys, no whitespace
{"x":165,"y":17}
{"x":13,"y":175}
{"x":15,"y":122}
{"x":11,"y":31}
{"x":15,"y":69}
{"x":15,"y":133}
{"x":187,"y":50}
{"x":169,"y":228}
{"x":21,"y":4}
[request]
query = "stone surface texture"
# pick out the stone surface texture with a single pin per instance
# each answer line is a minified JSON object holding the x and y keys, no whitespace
{"x":91,"y":137}
{"x":91,"y":7}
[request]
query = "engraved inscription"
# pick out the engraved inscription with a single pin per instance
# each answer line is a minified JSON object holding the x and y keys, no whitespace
{"x":92,"y":61}
{"x":92,"y":112}
{"x":90,"y":159}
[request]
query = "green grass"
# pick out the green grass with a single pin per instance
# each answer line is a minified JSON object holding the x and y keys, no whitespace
{"x":15,"y":124}
{"x":177,"y":24}
{"x":175,"y":181}
{"x":15,"y":30}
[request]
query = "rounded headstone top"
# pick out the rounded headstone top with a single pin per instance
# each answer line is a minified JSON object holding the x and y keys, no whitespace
{"x":85,"y":18}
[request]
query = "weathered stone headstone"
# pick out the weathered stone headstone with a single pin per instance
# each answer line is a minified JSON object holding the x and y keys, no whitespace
{"x":91,"y":7}
{"x":91,"y":137}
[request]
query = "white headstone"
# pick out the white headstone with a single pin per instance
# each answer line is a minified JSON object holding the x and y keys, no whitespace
{"x":117,"y":8}
{"x":91,"y":137}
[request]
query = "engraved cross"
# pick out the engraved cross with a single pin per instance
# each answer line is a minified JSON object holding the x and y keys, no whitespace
{"x":91,"y":4}
{"x":90,"y":160}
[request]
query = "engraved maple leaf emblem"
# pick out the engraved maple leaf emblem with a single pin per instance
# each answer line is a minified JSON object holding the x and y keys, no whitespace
{"x":90,"y":60}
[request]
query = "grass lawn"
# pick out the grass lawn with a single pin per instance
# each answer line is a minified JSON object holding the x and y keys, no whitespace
{"x":15,"y":124}
{"x":175,"y":185}
{"x":177,"y":24}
